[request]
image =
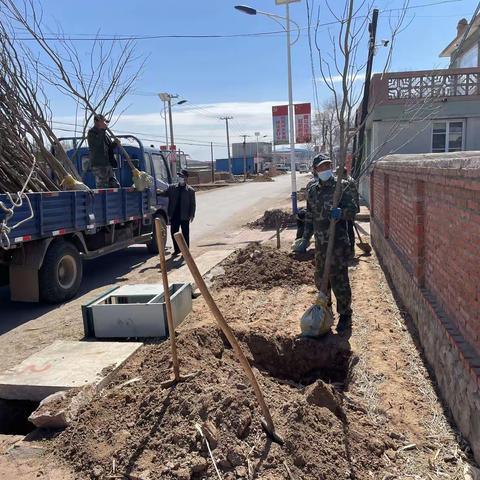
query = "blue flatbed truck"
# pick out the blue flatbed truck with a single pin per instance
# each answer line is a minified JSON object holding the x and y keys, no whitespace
{"x":41,"y":259}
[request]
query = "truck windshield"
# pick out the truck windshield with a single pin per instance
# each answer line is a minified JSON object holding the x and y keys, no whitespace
{"x":160,"y":167}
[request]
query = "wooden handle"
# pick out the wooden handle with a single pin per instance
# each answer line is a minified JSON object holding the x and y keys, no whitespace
{"x":166,"y":292}
{"x":121,"y":147}
{"x":225,"y":328}
{"x":358,"y":233}
{"x":337,"y":195}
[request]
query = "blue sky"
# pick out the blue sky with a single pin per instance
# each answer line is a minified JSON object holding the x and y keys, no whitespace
{"x":241,"y":77}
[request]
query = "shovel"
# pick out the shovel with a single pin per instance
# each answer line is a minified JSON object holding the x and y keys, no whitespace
{"x":363,"y":246}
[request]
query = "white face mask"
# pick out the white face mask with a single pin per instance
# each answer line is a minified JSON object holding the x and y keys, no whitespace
{"x":326,"y":175}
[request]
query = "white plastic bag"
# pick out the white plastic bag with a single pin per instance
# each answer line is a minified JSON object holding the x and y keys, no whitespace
{"x":141,"y":180}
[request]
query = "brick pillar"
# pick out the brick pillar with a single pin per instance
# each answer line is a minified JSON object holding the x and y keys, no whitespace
{"x":419,"y":233}
{"x":386,"y":208}
{"x":372,"y":193}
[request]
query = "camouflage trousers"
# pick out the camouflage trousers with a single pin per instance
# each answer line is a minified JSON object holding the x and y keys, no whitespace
{"x":338,"y":281}
{"x":105,"y":177}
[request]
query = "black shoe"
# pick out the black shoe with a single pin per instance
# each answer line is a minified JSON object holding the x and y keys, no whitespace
{"x":175,"y":254}
{"x":345,"y":323}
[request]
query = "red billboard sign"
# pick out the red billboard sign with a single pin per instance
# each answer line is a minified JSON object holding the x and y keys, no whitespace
{"x":280,"y":124}
{"x":303,"y":126}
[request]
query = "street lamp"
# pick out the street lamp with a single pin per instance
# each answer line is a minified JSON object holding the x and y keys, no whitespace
{"x":167,"y":101}
{"x":252,"y":11}
{"x":257,"y":136}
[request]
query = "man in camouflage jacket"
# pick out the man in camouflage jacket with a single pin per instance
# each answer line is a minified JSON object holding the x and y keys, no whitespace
{"x":102,"y":160}
{"x":317,"y":222}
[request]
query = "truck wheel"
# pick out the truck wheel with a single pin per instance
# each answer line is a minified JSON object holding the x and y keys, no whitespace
{"x":152,"y":246}
{"x":61,"y":273}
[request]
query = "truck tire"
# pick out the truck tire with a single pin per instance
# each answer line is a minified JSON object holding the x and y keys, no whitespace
{"x":61,"y":273}
{"x":152,"y":246}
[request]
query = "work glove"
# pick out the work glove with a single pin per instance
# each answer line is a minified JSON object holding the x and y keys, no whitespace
{"x":336,"y":214}
{"x":300,"y":245}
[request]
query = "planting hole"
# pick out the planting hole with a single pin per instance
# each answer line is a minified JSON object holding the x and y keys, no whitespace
{"x":14,"y":416}
{"x":301,"y":360}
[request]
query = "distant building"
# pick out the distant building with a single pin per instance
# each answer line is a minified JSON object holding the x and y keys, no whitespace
{"x":264,"y":153}
{"x":463,"y":49}
{"x":425,"y":111}
{"x":238,"y":164}
{"x":303,"y":158}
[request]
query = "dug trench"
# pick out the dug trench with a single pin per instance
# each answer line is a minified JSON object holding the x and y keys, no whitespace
{"x":335,"y":419}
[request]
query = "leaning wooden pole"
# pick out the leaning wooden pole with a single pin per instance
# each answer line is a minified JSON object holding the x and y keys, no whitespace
{"x":166,"y":293}
{"x":201,"y":285}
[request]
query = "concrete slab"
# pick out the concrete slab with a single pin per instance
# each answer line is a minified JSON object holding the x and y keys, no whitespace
{"x":64,"y":365}
{"x":205,"y":263}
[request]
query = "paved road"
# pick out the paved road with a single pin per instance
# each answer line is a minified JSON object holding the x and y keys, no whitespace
{"x":222,"y":212}
{"x":25,"y":328}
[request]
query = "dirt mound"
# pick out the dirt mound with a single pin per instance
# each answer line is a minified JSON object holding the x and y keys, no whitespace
{"x":271,"y":218}
{"x":262,"y":178}
{"x":262,"y":267}
{"x":151,"y":433}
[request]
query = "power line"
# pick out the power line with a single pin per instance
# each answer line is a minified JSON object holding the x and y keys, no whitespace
{"x":98,"y":37}
{"x":153,"y":137}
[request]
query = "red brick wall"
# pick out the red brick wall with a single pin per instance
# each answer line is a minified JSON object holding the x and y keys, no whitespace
{"x":430,"y":213}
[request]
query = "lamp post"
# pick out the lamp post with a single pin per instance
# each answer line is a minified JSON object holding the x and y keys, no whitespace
{"x":257,"y":136}
{"x":276,"y":18}
{"x":167,"y":101}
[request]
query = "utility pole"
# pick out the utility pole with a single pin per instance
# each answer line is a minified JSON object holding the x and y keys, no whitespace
{"x":172,"y":141}
{"x":167,"y":99}
{"x":360,"y":144}
{"x":257,"y":134}
{"x":244,"y":157}
{"x":213,"y":168}
{"x":228,"y":143}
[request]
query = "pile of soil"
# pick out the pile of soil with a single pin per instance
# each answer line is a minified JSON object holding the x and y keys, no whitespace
{"x":262,"y":178}
{"x":271,"y":218}
{"x":262,"y":267}
{"x":150,"y":433}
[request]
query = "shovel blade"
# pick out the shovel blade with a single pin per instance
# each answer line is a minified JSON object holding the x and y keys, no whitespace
{"x":365,"y":247}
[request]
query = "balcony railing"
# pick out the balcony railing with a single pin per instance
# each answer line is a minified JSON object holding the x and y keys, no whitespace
{"x":400,"y":87}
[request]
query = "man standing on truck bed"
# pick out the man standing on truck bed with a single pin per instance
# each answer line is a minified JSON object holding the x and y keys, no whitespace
{"x":181,"y":208}
{"x":102,"y":160}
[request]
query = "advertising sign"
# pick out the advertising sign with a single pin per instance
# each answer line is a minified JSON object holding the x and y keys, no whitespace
{"x":303,"y":124}
{"x":280,"y":124}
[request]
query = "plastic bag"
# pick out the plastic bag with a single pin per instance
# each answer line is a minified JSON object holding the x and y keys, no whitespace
{"x":141,"y":180}
{"x":318,"y":319}
{"x":69,"y":183}
{"x":300,"y":245}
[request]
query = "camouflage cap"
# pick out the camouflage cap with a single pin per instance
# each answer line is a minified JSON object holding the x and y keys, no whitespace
{"x":320,"y":159}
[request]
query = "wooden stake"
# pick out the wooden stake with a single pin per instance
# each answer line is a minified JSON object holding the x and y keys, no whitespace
{"x":161,"y":234}
{"x":277,"y":227}
{"x":201,"y":285}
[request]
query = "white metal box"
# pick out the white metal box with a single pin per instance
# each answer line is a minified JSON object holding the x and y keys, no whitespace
{"x":134,"y":311}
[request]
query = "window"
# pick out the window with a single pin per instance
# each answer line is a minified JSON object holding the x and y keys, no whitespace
{"x":469,"y":58}
{"x":148,"y":167}
{"x":447,"y":136}
{"x":160,"y":168}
